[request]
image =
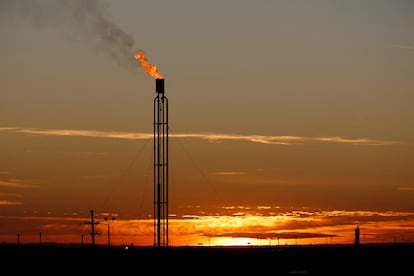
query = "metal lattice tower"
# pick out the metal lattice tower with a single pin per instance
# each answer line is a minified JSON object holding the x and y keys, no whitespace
{"x":160,"y":166}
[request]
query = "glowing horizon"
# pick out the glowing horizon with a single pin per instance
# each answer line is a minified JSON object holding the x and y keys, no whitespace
{"x":287,"y":228}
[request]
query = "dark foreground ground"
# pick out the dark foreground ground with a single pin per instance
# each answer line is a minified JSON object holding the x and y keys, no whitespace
{"x":330,"y":260}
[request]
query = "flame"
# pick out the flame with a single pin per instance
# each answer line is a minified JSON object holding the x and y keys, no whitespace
{"x":151,"y":69}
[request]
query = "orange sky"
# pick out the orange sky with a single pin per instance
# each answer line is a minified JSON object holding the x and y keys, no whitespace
{"x":242,"y":226}
{"x":289,"y":120}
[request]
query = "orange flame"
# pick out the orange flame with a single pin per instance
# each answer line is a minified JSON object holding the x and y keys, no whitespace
{"x":152,"y":70}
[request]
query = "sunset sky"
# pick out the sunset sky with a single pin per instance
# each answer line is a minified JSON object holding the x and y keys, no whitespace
{"x":290,"y":121}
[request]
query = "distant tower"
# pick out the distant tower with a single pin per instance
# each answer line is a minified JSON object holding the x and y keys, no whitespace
{"x":356,"y":237}
{"x":160,"y":166}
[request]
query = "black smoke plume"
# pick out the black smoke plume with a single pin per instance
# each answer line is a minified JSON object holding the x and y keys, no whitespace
{"x":86,"y":19}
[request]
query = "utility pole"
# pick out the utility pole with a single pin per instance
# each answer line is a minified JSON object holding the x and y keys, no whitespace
{"x":93,"y":232}
{"x":108,"y":220}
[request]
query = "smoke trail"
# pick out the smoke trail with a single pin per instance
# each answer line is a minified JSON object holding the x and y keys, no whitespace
{"x":85,"y":18}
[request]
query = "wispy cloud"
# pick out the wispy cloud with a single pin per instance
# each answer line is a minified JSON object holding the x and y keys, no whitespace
{"x":403,"y":46}
{"x":229,"y":173}
{"x":212,"y":137}
{"x":16,"y":183}
{"x":2,"y":194}
{"x":78,"y":133}
{"x":8,"y":199}
{"x":407,"y":189}
{"x":9,"y":202}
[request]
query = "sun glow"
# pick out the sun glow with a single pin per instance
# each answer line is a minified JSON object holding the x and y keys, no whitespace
{"x":224,"y":241}
{"x":278,"y":228}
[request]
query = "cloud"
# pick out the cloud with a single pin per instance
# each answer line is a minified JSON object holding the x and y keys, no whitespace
{"x":229,"y":173}
{"x":10,"y":195}
{"x":10,"y":199}
{"x":406,"y":189}
{"x":403,"y":46}
{"x":9,"y":202}
{"x":212,"y":137}
{"x":284,"y":235}
{"x":16,"y":183}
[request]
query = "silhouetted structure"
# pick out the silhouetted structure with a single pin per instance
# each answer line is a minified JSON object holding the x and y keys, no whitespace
{"x":93,"y":233}
{"x":160,"y":166}
{"x":356,"y":244}
{"x":109,"y":219}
